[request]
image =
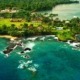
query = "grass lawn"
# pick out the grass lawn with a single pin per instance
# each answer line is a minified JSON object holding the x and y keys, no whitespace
{"x":8,"y":23}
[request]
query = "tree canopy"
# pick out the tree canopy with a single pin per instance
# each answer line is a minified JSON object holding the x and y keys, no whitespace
{"x":35,"y":5}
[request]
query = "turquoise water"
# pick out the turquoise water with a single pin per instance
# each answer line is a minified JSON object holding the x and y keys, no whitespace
{"x":52,"y":60}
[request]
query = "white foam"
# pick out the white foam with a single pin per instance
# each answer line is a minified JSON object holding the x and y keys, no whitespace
{"x":21,"y":66}
{"x":28,"y":65}
{"x":42,"y":38}
{"x":74,"y":44}
{"x":22,"y":56}
{"x":30,"y":61}
{"x":29,"y":45}
{"x":18,"y":53}
{"x":1,"y":52}
{"x":33,"y":69}
{"x":32,"y":38}
{"x":26,"y":51}
{"x":68,"y":42}
{"x":23,"y":63}
{"x":56,"y":38}
{"x":6,"y":55}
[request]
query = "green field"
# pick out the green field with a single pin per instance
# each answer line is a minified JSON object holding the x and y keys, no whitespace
{"x":18,"y":24}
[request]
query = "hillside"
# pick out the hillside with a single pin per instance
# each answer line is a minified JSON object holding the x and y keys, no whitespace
{"x":35,"y":5}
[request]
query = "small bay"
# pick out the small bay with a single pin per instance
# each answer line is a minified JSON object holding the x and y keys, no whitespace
{"x":65,"y":11}
{"x":53,"y":61}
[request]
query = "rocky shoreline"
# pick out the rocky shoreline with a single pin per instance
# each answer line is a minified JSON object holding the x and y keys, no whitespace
{"x":18,"y":41}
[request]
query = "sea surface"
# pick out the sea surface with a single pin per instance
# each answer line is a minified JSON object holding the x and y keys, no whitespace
{"x":65,"y":11}
{"x":48,"y":59}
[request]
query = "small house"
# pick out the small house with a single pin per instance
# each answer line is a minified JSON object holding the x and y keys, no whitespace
{"x":59,"y":28}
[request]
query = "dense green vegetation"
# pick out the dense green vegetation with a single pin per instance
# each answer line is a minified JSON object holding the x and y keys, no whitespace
{"x":24,"y":8}
{"x":41,"y":25}
{"x":27,"y":22}
{"x":32,"y":5}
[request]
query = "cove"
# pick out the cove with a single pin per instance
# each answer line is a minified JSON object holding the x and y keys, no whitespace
{"x":65,"y":11}
{"x":52,"y":60}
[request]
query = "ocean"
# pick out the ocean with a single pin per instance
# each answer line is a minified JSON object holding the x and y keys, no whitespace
{"x":48,"y":59}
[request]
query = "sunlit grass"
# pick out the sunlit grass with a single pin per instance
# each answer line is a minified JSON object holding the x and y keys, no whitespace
{"x":17,"y":24}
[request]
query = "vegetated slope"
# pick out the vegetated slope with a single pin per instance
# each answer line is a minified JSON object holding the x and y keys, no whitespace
{"x":35,"y":5}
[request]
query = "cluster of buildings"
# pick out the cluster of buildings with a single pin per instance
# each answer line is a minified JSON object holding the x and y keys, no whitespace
{"x":9,"y":11}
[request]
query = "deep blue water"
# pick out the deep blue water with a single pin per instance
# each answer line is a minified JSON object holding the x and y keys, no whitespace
{"x":55,"y":61}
